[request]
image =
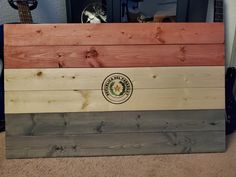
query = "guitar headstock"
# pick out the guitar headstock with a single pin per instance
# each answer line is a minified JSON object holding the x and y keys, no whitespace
{"x":31,"y":3}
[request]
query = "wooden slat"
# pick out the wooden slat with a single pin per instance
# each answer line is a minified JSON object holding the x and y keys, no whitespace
{"x":114,"y":122}
{"x":115,"y":144}
{"x":142,"y":78}
{"x":93,"y":100}
{"x":113,"y":34}
{"x":114,"y":56}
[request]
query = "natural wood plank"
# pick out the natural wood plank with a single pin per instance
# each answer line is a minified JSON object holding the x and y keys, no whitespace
{"x":115,"y":144}
{"x":113,"y":122}
{"x":113,"y":34}
{"x":114,"y":56}
{"x":142,"y":78}
{"x":93,"y":100}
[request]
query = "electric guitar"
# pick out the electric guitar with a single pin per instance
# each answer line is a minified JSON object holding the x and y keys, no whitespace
{"x":24,"y":8}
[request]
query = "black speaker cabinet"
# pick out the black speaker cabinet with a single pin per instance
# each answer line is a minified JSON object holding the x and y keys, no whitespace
{"x":192,"y":10}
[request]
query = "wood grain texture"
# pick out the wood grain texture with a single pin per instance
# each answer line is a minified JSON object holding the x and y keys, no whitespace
{"x":92,"y":79}
{"x":93,"y":100}
{"x":114,"y":122}
{"x":114,"y":144}
{"x":114,"y":56}
{"x":113,"y":34}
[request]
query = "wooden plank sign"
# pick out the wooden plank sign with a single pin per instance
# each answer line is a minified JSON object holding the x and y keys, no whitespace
{"x":114,"y":89}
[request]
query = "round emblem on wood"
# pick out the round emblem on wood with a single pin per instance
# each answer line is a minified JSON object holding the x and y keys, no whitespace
{"x":117,"y":88}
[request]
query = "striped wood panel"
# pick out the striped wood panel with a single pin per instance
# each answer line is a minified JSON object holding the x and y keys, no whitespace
{"x":113,"y":34}
{"x":54,"y":103}
{"x":114,"y":56}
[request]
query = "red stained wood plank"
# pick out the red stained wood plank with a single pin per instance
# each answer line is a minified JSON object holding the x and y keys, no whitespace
{"x":114,"y":56}
{"x":113,"y":34}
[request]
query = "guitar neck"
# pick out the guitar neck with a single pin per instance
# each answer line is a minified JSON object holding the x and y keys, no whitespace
{"x":219,"y":12}
{"x":24,"y":12}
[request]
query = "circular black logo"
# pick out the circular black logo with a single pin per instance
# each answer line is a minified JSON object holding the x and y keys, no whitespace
{"x":117,"y":88}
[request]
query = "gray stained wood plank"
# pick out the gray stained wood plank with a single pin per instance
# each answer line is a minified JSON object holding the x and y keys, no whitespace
{"x":115,"y":144}
{"x":113,"y":122}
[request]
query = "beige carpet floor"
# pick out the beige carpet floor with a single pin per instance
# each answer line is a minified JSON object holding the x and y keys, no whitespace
{"x":195,"y":165}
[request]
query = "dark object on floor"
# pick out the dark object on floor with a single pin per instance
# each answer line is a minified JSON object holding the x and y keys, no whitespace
{"x":230,"y":100}
{"x":192,"y":10}
{"x":2,"y":125}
